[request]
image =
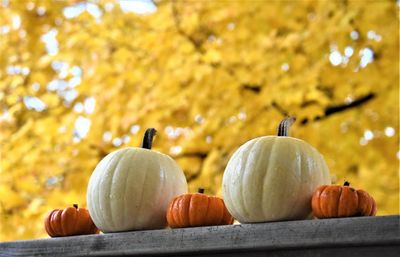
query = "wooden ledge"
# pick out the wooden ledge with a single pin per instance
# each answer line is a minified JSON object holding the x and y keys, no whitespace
{"x":361,"y":236}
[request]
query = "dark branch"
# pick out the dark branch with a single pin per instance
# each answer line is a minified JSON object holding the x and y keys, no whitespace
{"x":280,"y":109}
{"x":194,"y":176}
{"x":308,"y":103}
{"x":201,"y":155}
{"x":254,"y":88}
{"x":101,"y":153}
{"x":330,"y":110}
{"x":339,"y":108}
{"x":327,"y":91}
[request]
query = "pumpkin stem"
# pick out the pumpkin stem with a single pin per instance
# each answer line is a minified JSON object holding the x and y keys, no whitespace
{"x":75,"y":205}
{"x":283,"y":128}
{"x":148,"y":138}
{"x":200,"y":190}
{"x":346,"y":184}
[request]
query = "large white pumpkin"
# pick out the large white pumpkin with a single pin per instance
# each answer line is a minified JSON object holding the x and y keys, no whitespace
{"x":272,"y":178}
{"x":130,"y":189}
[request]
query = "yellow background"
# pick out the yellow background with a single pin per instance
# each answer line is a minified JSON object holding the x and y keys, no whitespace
{"x":208,"y":75}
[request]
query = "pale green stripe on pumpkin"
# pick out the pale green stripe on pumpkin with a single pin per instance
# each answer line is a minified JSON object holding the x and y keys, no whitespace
{"x":238,"y":189}
{"x":253,"y":180}
{"x":268,"y":183}
{"x":115,"y":194}
{"x":95,"y":187}
{"x":138,"y":193}
{"x":149,"y":191}
{"x":127,"y":201}
{"x":105,"y":190}
{"x":246,"y":173}
{"x":233,"y":177}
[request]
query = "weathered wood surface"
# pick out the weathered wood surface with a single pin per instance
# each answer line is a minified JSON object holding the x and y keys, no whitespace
{"x":364,"y":236}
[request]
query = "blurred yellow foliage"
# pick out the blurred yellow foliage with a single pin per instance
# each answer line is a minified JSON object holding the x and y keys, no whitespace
{"x":80,"y":79}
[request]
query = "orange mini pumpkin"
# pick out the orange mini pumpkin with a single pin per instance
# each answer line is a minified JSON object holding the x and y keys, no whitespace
{"x":69,"y":222}
{"x":194,"y":210}
{"x":333,"y":201}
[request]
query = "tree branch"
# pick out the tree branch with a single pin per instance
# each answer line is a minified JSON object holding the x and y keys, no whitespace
{"x":200,"y":155}
{"x":280,"y":109}
{"x":330,"y":110}
{"x":253,"y":88}
{"x":339,"y":108}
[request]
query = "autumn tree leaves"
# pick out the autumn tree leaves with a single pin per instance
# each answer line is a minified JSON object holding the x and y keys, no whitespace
{"x":209,"y":75}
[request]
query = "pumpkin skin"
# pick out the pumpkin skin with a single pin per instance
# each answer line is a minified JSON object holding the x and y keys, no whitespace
{"x":69,"y":222}
{"x":130,"y":189}
{"x":195,"y":210}
{"x":333,"y":201}
{"x":272,"y":178}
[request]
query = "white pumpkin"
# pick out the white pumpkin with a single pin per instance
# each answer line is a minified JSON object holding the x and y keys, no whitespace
{"x":130,"y":189}
{"x":272,"y":178}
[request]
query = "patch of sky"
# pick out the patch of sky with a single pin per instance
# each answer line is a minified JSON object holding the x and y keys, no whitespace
{"x":138,"y":6}
{"x":81,"y":128}
{"x":34,"y":103}
{"x":89,"y":105}
{"x":16,"y":69}
{"x":51,"y":42}
{"x":75,"y":10}
{"x":367,"y":57}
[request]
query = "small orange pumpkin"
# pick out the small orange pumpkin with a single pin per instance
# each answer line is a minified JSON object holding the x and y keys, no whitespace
{"x":194,"y":210}
{"x":333,"y":201}
{"x":69,"y":222}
